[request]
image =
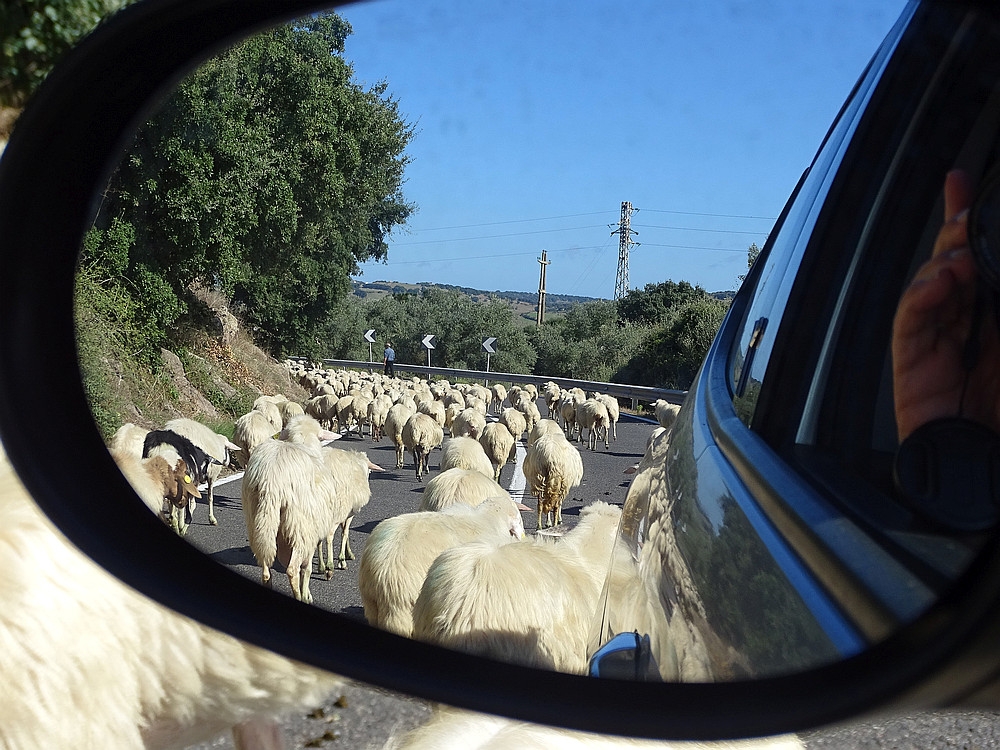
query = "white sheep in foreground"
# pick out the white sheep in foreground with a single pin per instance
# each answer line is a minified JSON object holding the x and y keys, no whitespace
{"x":107,"y":672}
{"x":552,"y":467}
{"x":350,"y":471}
{"x":666,"y":413}
{"x":401,"y":549}
{"x":527,"y":603}
{"x":465,"y":453}
{"x":421,"y":434}
{"x":250,"y":430}
{"x":499,"y":446}
{"x":454,"y":729}
{"x":217,"y":446}
{"x":458,"y":486}
{"x":290,"y":503}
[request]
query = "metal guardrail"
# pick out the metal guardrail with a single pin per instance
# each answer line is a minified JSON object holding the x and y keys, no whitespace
{"x":636,"y":393}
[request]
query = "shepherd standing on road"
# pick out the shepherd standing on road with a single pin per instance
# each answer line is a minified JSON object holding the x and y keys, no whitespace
{"x":389,"y":361}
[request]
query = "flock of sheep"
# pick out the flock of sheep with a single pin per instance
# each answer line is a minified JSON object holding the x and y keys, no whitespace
{"x":457,"y":571}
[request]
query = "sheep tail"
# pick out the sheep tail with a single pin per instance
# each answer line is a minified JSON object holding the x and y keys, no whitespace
{"x":264,"y":530}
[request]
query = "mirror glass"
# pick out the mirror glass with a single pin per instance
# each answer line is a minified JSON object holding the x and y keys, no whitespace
{"x":548,"y":190}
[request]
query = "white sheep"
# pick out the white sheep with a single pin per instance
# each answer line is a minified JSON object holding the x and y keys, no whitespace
{"x":288,"y":410}
{"x":514,"y":421}
{"x":454,"y":729}
{"x":108,"y":672}
{"x":378,"y":410}
{"x":350,"y":471}
{"x":457,"y":486}
{"x":528,"y":603}
{"x":290,"y":502}
{"x":465,"y":453}
{"x":469,"y":423}
{"x":395,"y":419}
{"x":250,"y":430}
{"x":567,"y":412}
{"x":498,"y":393}
{"x":592,"y":416}
{"x":531,"y":413}
{"x":217,"y":446}
{"x":552,"y":466}
{"x":432,"y":408}
{"x":551,"y":392}
{"x":266,"y":406}
{"x":128,"y":439}
{"x":666,"y":413}
{"x":614,"y":411}
{"x":499,"y":446}
{"x":401,"y":549}
{"x":544,"y":427}
{"x":421,"y":434}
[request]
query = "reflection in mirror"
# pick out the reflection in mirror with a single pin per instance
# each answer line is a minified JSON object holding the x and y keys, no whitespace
{"x":358,"y":186}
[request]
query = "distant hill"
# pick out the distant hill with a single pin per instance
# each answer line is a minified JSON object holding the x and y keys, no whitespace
{"x":523,"y":302}
{"x":553,"y":302}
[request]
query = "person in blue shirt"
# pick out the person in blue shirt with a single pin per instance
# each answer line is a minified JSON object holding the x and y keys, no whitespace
{"x":389,"y":361}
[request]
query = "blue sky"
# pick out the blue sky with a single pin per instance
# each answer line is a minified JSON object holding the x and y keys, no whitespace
{"x":535,"y":120}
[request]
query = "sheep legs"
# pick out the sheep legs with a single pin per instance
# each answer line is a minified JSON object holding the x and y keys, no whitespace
{"x":299,"y":573}
{"x":345,"y":545}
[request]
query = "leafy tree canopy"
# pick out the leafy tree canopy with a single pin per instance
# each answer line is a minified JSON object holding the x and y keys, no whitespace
{"x":657,"y":303}
{"x":268,"y":173}
{"x":34,"y":34}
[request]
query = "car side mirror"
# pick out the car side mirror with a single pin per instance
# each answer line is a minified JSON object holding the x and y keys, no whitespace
{"x":51,"y":174}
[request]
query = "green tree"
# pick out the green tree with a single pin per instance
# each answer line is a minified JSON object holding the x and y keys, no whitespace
{"x":34,"y":34}
{"x":752,"y":252}
{"x":269,"y":174}
{"x":655,"y":304}
{"x":671,"y":355}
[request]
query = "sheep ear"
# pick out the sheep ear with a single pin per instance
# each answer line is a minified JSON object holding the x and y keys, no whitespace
{"x":373,"y":466}
{"x":190,"y":486}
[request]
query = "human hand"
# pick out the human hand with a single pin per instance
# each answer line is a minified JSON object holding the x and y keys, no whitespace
{"x":932,"y":325}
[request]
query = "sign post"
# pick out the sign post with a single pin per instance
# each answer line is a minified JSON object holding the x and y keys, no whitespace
{"x":370,"y":338}
{"x":488,"y":346}
{"x":427,"y":343}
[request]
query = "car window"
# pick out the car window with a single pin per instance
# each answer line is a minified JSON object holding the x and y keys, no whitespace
{"x":753,"y":347}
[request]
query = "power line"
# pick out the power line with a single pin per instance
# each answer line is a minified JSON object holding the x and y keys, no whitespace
{"x":479,"y":257}
{"x":694,"y":247}
{"x":511,"y":221}
{"x":698,"y":229}
{"x":717,"y":216}
{"x":496,"y":236}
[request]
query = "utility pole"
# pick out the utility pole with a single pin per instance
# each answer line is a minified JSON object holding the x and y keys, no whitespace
{"x":540,"y":316}
{"x":624,"y":233}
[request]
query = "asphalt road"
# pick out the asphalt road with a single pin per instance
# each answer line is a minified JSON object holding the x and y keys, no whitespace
{"x":362,"y":717}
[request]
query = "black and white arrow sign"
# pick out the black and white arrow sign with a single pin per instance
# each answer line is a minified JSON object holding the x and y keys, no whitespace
{"x":370,"y":336}
{"x":488,"y":345}
{"x":427,"y":341}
